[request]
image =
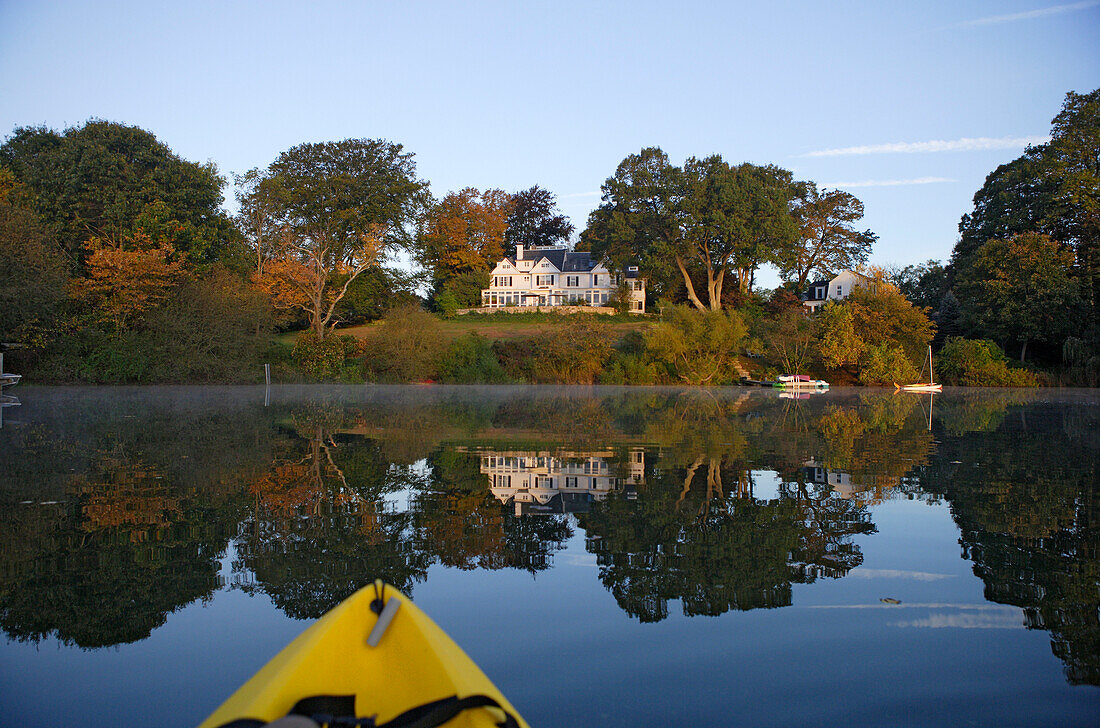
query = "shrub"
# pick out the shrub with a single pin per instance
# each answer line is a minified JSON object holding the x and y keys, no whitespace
{"x":446,"y":303}
{"x":325,"y":358}
{"x":211,"y":330}
{"x":573,"y":352}
{"x":979,"y":363}
{"x":406,"y":346}
{"x":629,"y":369}
{"x":471,"y":360}
{"x":697,"y":347}
{"x":886,"y":364}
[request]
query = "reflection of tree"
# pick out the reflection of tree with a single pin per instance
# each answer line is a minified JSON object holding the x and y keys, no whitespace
{"x":107,"y":566}
{"x":115,"y":508}
{"x":462,"y":525}
{"x":1031,"y":523}
{"x":685,"y":538}
{"x":318,"y":528}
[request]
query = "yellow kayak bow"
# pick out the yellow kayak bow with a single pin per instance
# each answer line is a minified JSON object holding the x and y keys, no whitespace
{"x":374,"y":660}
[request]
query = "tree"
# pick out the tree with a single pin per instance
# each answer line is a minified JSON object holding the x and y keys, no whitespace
{"x":464,"y":233}
{"x":840,"y":344}
{"x":1074,"y":158}
{"x":127,"y":279}
{"x":735,"y":219}
{"x":881,"y":315}
{"x":922,"y":285}
{"x":256,"y":217}
{"x":1021,"y":289}
{"x":32,"y":267}
{"x":789,"y":339}
{"x":1052,"y":189}
{"x":708,"y":218}
{"x":98,"y":179}
{"x":1015,"y":198}
{"x":875,"y":330}
{"x":534,"y":221}
{"x":343,"y":206}
{"x":636,"y":222}
{"x":828,"y":243}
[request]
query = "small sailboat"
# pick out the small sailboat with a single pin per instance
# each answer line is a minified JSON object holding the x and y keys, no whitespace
{"x":928,"y":386}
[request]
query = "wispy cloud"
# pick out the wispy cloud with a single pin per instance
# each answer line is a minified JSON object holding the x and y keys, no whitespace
{"x":978,"y":620}
{"x":1028,"y":14}
{"x":889,"y":182}
{"x":966,"y":144}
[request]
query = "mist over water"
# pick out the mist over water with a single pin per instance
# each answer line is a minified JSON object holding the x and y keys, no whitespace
{"x":609,"y":556}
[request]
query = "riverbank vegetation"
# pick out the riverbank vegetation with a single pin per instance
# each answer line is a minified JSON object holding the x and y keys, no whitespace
{"x":120,"y":264}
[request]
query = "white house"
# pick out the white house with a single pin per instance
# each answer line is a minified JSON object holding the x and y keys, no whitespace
{"x":818,"y":293}
{"x":557,"y":276}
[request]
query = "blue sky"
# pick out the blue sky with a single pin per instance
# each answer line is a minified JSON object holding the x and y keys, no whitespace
{"x":908,"y":106}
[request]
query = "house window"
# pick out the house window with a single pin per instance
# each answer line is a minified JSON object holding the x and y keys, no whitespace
{"x":572,"y":281}
{"x":504,"y":281}
{"x":595,"y":280}
{"x":547,"y":280}
{"x":571,"y":482}
{"x":838,"y":290}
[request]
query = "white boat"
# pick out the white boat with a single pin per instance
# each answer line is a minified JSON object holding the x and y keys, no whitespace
{"x":800,"y":381}
{"x":928,"y":386}
{"x":7,"y":379}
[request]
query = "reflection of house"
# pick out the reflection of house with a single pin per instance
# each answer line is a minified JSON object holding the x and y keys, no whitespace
{"x":564,"y":482}
{"x":867,"y":489}
{"x":557,"y":276}
{"x":818,"y":293}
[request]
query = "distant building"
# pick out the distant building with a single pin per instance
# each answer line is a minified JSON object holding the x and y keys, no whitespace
{"x":818,"y":293}
{"x":557,"y":276}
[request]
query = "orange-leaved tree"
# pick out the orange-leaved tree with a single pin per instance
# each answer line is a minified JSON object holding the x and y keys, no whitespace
{"x":340,"y":207}
{"x":464,"y":232}
{"x":127,"y":277}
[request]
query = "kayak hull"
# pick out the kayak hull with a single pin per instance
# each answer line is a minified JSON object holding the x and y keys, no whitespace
{"x":414,"y":663}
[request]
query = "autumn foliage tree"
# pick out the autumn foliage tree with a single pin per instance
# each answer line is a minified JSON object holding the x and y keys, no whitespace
{"x":342,"y":206}
{"x":125,"y":279}
{"x":463,"y":233}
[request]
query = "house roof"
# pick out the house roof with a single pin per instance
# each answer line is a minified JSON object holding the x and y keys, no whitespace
{"x":566,"y":261}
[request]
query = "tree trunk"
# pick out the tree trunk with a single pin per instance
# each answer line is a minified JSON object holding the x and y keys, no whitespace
{"x":714,"y":287}
{"x":1023,"y":351}
{"x":690,"y":288}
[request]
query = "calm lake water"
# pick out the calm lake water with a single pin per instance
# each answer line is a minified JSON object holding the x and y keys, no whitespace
{"x":609,"y":556}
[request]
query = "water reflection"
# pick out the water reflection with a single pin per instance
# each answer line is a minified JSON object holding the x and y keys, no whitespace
{"x":118,"y":507}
